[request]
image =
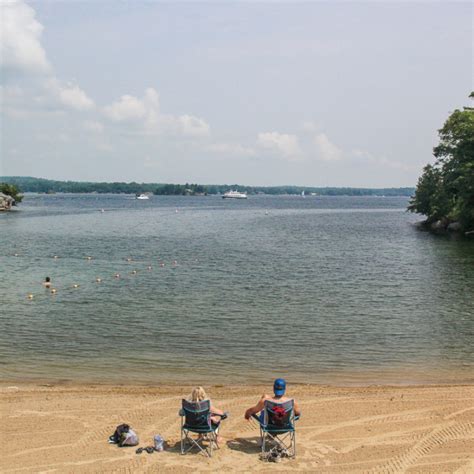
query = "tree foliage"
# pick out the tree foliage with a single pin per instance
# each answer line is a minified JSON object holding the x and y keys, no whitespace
{"x":40,"y":185}
{"x":11,"y":190}
{"x":445,"y":190}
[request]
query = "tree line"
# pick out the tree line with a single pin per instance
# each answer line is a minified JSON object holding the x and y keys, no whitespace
{"x":445,"y":190}
{"x":40,"y":185}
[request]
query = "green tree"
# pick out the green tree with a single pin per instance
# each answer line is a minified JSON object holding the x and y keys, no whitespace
{"x":446,"y":189}
{"x":11,"y":190}
{"x":430,"y":198}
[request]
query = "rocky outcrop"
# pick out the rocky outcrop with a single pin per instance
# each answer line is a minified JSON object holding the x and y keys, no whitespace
{"x":454,"y":227}
{"x":444,"y":226}
{"x":6,"y":202}
{"x":440,"y":225}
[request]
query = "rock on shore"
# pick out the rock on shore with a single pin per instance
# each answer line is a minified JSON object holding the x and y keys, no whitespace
{"x":6,"y":202}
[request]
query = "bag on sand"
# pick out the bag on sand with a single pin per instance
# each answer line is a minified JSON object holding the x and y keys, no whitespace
{"x":124,"y":436}
{"x":130,"y":438}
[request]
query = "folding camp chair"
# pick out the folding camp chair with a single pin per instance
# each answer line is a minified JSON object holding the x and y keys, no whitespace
{"x":196,"y":418}
{"x":277,"y":428}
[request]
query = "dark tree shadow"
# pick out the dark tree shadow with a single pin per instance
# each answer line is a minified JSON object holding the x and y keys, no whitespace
{"x":245,"y":445}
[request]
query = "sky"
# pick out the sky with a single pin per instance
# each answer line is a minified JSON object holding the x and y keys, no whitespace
{"x":270,"y":93}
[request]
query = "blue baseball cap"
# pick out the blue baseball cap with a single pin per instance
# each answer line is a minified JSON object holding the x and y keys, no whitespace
{"x":279,"y":387}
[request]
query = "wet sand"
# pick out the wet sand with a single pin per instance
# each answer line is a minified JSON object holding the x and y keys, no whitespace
{"x":64,"y":428}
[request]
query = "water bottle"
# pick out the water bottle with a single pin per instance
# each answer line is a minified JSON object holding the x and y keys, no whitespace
{"x":159,"y":442}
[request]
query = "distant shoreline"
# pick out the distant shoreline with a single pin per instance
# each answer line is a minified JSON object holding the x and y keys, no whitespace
{"x":40,"y":185}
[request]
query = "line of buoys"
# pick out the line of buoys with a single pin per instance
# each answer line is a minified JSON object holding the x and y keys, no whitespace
{"x":54,"y":291}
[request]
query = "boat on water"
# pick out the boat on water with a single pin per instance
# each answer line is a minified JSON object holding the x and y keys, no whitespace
{"x":142,"y":197}
{"x":234,"y":195}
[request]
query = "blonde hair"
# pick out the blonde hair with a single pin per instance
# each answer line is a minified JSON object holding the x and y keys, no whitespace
{"x":198,"y":395}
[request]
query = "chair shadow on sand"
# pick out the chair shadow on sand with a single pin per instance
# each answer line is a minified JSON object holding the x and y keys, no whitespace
{"x":245,"y":445}
{"x":173,"y":447}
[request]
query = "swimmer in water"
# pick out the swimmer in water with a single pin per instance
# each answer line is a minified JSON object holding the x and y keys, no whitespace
{"x":47,"y":282}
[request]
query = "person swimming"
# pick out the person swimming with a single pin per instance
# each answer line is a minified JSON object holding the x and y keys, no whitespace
{"x":47,"y":282}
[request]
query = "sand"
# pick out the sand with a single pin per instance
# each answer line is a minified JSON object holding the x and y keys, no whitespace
{"x":64,"y":428}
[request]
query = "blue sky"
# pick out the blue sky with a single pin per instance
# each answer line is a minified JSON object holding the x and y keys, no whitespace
{"x":316,"y":93}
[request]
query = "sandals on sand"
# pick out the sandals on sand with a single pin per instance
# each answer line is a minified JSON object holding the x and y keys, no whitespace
{"x":148,"y":449}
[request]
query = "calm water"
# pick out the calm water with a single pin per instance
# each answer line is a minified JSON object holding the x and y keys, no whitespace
{"x":318,"y":289}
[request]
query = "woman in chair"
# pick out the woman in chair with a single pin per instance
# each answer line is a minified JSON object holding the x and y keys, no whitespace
{"x":199,"y":395}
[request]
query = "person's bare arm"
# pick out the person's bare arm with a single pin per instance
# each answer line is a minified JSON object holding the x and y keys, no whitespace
{"x":216,"y":411}
{"x":255,"y":409}
{"x":297,"y":409}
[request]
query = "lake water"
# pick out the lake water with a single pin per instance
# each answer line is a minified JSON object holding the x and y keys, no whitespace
{"x":340,"y":290}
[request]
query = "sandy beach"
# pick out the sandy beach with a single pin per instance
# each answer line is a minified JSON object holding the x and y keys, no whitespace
{"x":64,"y":428}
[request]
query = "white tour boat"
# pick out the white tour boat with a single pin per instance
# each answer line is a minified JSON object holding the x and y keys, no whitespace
{"x":142,"y":197}
{"x":234,"y":195}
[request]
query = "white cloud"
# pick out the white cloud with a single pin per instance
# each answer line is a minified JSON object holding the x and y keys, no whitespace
{"x":282,"y":143}
{"x":327,"y":150}
{"x":231,"y":149}
{"x":93,"y":126}
{"x":74,"y":97}
{"x":194,"y":126}
{"x":20,"y":46}
{"x":128,"y":108}
{"x":22,"y":54}
{"x":146,"y":114}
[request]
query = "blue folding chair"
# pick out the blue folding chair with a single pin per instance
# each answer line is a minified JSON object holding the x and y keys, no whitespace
{"x":196,"y":418}
{"x":277,"y":428}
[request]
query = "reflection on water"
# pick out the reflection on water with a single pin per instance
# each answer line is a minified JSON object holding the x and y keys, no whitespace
{"x":320,"y":289}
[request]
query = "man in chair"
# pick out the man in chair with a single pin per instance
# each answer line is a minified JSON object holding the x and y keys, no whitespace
{"x":279,"y":388}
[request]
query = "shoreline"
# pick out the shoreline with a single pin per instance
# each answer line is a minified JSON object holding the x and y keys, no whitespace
{"x":4,"y":383}
{"x":399,"y":377}
{"x":64,"y":428}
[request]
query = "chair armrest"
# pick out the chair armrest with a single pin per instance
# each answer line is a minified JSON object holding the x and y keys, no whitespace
{"x":297,"y":417}
{"x":181,"y":412}
{"x":256,"y":418}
